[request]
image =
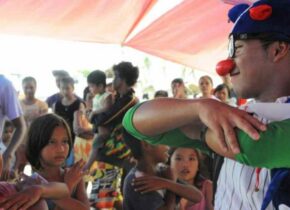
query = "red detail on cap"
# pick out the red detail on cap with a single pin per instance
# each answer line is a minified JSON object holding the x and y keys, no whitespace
{"x":261,"y":12}
{"x":225,"y":67}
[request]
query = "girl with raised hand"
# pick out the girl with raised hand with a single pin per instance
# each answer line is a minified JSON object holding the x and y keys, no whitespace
{"x":185,"y":164}
{"x":49,"y":144}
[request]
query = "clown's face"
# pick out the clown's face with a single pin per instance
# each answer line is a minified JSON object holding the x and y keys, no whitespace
{"x":253,"y":71}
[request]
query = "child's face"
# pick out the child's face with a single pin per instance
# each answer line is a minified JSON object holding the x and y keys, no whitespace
{"x":67,"y":90}
{"x":222,"y":95}
{"x":184,"y":163}
{"x":57,"y":149}
{"x":205,"y":86}
{"x":96,"y":89}
{"x":29,"y":89}
{"x":7,"y":134}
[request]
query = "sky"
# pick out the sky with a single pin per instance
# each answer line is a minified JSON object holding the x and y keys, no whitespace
{"x":38,"y":57}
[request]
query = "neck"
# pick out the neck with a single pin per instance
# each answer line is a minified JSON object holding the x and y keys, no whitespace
{"x":271,"y":96}
{"x":146,"y":167}
{"x":29,"y":100}
{"x":51,"y":173}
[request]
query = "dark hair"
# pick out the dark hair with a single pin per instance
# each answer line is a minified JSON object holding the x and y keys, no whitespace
{"x":177,"y":80}
{"x":97,"y":77}
{"x":39,"y":134}
{"x":85,"y":92}
{"x":199,"y":178}
{"x":128,"y":72}
{"x":67,"y":81}
{"x":220,"y":87}
{"x":161,"y":93}
{"x":29,"y":79}
{"x":60,"y":73}
{"x":134,"y":145}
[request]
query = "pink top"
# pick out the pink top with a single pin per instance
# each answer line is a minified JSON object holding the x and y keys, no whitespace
{"x":202,"y":204}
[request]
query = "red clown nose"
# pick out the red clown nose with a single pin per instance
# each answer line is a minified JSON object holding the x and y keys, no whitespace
{"x":225,"y":67}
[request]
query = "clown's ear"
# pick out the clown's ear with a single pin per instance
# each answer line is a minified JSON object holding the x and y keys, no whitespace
{"x":236,"y":11}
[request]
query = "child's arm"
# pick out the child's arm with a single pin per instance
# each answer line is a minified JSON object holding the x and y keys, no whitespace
{"x":146,"y":184}
{"x":33,"y":193}
{"x":80,"y":128}
{"x":170,"y":201}
{"x":77,"y":201}
{"x":208,"y":195}
{"x":107,"y":105}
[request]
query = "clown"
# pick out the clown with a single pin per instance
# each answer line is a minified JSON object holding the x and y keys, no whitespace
{"x":259,"y":66}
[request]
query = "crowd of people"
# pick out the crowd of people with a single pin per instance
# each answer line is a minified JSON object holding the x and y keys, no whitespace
{"x":171,"y":152}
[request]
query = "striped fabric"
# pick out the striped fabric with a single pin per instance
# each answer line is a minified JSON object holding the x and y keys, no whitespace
{"x":236,"y":187}
{"x":236,"y":184}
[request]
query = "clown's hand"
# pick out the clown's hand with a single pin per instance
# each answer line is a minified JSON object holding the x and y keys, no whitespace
{"x":222,"y":120}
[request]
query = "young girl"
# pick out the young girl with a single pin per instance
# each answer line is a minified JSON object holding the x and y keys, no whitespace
{"x":49,"y":144}
{"x":29,"y":192}
{"x":185,"y":164}
{"x":151,"y":184}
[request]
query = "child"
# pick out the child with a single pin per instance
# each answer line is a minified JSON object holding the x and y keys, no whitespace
{"x":49,"y":144}
{"x":148,"y":186}
{"x":7,"y":135}
{"x":185,"y":162}
{"x":222,"y":92}
{"x":8,"y":131}
{"x":102,"y":101}
{"x":66,"y":107}
{"x":29,"y":192}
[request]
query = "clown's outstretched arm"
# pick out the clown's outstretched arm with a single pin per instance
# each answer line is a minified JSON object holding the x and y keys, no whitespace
{"x":184,"y":118}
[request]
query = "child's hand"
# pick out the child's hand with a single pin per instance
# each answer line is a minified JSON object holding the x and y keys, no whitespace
{"x":146,"y":184}
{"x":74,"y":174}
{"x":23,"y":199}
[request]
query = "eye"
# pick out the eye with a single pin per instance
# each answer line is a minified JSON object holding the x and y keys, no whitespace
{"x":192,"y":158}
{"x":51,"y":142}
{"x":178,"y":158}
{"x":65,"y":141}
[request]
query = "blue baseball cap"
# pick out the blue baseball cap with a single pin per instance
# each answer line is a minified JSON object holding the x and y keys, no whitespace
{"x":262,"y":17}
